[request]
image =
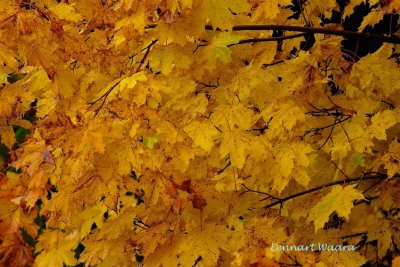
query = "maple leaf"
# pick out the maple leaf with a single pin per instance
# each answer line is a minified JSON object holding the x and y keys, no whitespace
{"x":344,"y":258}
{"x":7,"y":134}
{"x":382,"y":121}
{"x":67,"y":12}
{"x":385,"y":232}
{"x":219,"y":13}
{"x":56,"y":248}
{"x":90,"y":216}
{"x":168,"y":133}
{"x":202,"y":134}
{"x":204,"y":247}
{"x":219,"y":46}
{"x":339,"y":200}
{"x":236,"y":145}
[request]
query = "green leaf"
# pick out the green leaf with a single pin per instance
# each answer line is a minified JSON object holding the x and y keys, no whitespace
{"x":150,"y":141}
{"x":357,"y":159}
{"x":20,"y":133}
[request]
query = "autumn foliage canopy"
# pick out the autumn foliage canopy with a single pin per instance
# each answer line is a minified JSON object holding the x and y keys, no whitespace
{"x":199,"y":132}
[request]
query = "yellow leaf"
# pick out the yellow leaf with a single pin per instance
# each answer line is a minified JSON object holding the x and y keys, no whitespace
{"x":325,"y":7}
{"x":367,"y":72}
{"x":339,"y":199}
{"x":56,"y":249}
{"x":219,"y":12}
{"x":349,"y":9}
{"x":6,"y":133}
{"x":138,"y":22}
{"x":344,"y":258}
{"x":219,"y":46}
{"x":202,"y":133}
{"x":386,"y":232}
{"x":48,"y":103}
{"x":380,"y":122}
{"x":270,"y":9}
{"x":396,"y":262}
{"x":128,"y":85}
{"x":372,"y":19}
{"x":3,"y":78}
{"x":89,"y":216}
{"x":200,"y":245}
{"x":67,"y":12}
{"x":7,"y":58}
{"x":391,"y":158}
{"x":235,"y":144}
{"x":168,"y":57}
{"x":392,"y":6}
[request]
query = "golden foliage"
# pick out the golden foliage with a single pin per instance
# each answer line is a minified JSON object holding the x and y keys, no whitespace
{"x":156,"y":133}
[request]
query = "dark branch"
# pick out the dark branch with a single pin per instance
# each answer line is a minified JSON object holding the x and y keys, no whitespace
{"x":320,"y":129}
{"x":147,"y":48}
{"x":269,"y":39}
{"x":108,"y":92}
{"x":366,"y":200}
{"x":264,"y":66}
{"x":103,"y":97}
{"x":329,"y":135}
{"x":196,"y":262}
{"x":259,"y":192}
{"x":310,"y":30}
{"x":352,"y":180}
{"x":340,"y":170}
{"x":354,"y":235}
{"x":361,"y":35}
{"x":224,"y":168}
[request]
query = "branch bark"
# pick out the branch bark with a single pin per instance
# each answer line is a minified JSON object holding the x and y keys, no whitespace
{"x":269,"y":39}
{"x":351,"y":180}
{"x":310,"y":30}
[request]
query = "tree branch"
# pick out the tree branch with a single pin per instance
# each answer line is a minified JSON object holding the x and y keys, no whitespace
{"x":104,"y":97}
{"x":320,"y":129}
{"x":107,"y":93}
{"x":310,"y":30}
{"x":259,"y":192}
{"x":269,"y":39}
{"x":352,"y":180}
{"x":354,"y":235}
{"x":147,"y":48}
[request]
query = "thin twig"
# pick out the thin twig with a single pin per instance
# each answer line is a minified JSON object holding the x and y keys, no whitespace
{"x":366,"y":200}
{"x":354,"y":235}
{"x":224,"y":168}
{"x":329,"y":135}
{"x":108,"y":92}
{"x":104,"y":97}
{"x":259,"y":192}
{"x":264,"y":66}
{"x":7,"y":18}
{"x":372,"y":186}
{"x":316,"y":130}
{"x":147,"y":48}
{"x":341,"y":171}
